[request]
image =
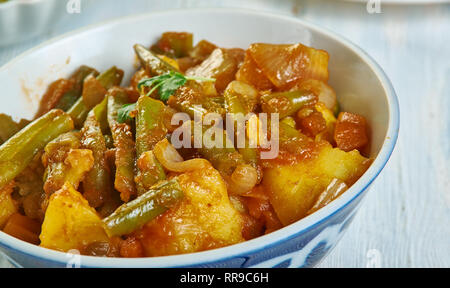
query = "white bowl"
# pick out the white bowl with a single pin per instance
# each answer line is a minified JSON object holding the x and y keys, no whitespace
{"x":360,"y":83}
{"x":21,"y":20}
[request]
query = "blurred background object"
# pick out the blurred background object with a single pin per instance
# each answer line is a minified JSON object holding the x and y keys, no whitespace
{"x":404,"y":220}
{"x":21,"y":20}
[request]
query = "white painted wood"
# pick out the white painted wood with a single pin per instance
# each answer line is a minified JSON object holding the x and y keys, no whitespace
{"x":404,"y":220}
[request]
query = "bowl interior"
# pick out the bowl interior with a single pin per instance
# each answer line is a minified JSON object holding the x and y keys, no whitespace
{"x":356,"y":81}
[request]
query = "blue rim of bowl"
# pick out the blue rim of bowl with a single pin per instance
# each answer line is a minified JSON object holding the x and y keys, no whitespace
{"x":261,"y":243}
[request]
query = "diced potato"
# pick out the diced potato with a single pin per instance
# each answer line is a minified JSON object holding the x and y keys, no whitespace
{"x":70,"y":223}
{"x":222,"y":65}
{"x":293,"y":189}
{"x":23,"y":228}
{"x":7,"y":205}
{"x":286,"y":65}
{"x":205,"y":219}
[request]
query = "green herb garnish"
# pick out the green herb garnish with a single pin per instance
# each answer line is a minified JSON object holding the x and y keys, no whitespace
{"x":124,"y":113}
{"x":168,"y":83}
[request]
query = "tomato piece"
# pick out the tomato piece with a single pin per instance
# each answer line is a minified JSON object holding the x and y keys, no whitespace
{"x":350,"y":132}
{"x":313,"y":124}
{"x":131,"y":248}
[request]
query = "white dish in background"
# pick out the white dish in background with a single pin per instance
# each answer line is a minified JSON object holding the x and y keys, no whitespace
{"x":21,"y":20}
{"x":404,"y":2}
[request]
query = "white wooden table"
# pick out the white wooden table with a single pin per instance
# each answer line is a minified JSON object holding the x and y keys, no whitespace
{"x":405,"y":219}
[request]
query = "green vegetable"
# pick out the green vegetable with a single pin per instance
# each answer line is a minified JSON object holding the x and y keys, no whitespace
{"x":133,"y":215}
{"x":108,"y":79}
{"x":153,"y":64}
{"x":18,"y":152}
{"x":70,"y":97}
{"x":287,"y":103}
{"x":124,"y":143}
{"x":150,"y":129}
{"x":174,"y":44}
{"x":168,"y":83}
{"x":97,"y":181}
{"x":225,"y":159}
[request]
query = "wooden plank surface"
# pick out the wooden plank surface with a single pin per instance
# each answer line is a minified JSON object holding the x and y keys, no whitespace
{"x":404,"y":221}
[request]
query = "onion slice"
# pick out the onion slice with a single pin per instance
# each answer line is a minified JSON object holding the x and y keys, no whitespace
{"x":169,"y":157}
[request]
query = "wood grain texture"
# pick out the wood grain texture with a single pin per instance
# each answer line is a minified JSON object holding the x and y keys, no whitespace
{"x":404,"y":220}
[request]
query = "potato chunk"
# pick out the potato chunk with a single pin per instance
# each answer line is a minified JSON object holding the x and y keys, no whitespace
{"x":205,"y":219}
{"x":7,"y":205}
{"x":293,"y":189}
{"x":70,"y":223}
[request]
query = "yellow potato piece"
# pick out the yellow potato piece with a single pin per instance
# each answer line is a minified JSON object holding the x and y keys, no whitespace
{"x":7,"y":205}
{"x":205,"y":219}
{"x":70,"y":223}
{"x":293,"y":189}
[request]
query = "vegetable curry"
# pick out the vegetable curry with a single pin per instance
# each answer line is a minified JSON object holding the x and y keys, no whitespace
{"x":97,"y":170}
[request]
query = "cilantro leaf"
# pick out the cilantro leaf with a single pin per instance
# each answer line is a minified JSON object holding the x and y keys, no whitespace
{"x":124,"y":113}
{"x":167,"y":84}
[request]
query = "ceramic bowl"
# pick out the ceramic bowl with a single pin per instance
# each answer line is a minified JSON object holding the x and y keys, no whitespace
{"x":361,"y":86}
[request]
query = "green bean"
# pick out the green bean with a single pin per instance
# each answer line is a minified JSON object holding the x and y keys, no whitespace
{"x":96,"y":184}
{"x":153,"y":64}
{"x":69,"y":98}
{"x":190,"y":100}
{"x":108,"y":79}
{"x":234,"y":96}
{"x":133,"y":215}
{"x":150,"y":129}
{"x":17,"y":153}
{"x":287,"y":103}
{"x":174,"y":44}
{"x":124,"y":143}
{"x":225,"y":159}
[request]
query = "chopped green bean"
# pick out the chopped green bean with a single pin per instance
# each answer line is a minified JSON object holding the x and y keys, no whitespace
{"x":133,"y":215}
{"x":153,"y":64}
{"x":150,"y":129}
{"x":287,"y":103}
{"x":17,"y":153}
{"x":108,"y":79}
{"x":124,"y":143}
